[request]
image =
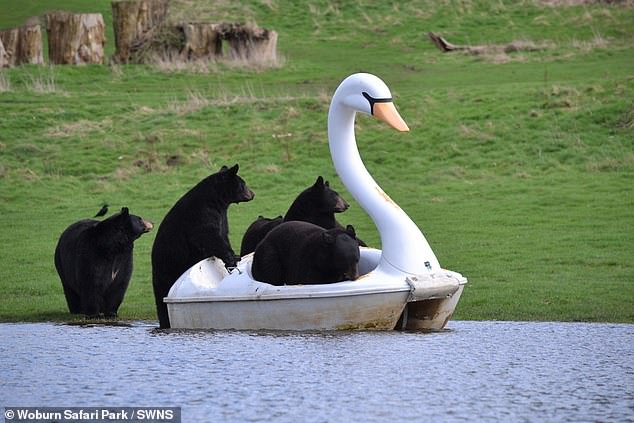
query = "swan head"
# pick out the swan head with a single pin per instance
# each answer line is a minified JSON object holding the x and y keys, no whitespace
{"x":366,"y":93}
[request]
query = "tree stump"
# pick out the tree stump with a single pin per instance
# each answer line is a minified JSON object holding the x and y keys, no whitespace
{"x":202,"y":41}
{"x":4,"y":60}
{"x":21,"y":45}
{"x":135,"y":23}
{"x":10,"y":41}
{"x":75,"y":38}
{"x":249,"y":43}
{"x":31,"y":45}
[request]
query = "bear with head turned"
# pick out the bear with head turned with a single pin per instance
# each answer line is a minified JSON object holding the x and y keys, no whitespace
{"x":94,"y":262}
{"x":303,"y":253}
{"x":194,"y":229}
{"x":317,"y":204}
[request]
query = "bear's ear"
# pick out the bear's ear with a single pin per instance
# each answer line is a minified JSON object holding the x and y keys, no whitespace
{"x":125,"y":211}
{"x":229,"y":171}
{"x":319,"y":183}
{"x":327,"y":184}
{"x":350,"y":230}
{"x":328,"y":238}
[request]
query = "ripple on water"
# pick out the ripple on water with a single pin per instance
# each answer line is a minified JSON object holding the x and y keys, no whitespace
{"x":487,"y":371}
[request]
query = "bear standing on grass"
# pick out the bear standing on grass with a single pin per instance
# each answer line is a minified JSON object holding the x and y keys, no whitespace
{"x":303,"y":253}
{"x":94,"y":261}
{"x":194,"y":229}
{"x":316,"y":204}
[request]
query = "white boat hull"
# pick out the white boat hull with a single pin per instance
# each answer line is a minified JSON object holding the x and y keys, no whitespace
{"x":367,"y":311}
{"x":208,"y":297}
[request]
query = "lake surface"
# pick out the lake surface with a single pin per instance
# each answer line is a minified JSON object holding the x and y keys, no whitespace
{"x":474,"y":371}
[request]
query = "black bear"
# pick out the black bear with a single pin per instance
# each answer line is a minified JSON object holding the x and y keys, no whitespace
{"x":195,"y":228}
{"x":303,"y":253}
{"x":257,"y":231}
{"x":94,"y":262}
{"x":316,"y":204}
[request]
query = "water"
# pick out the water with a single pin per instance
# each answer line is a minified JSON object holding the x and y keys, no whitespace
{"x":475,"y":371}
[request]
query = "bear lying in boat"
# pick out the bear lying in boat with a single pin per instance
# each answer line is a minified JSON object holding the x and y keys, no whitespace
{"x":303,"y":253}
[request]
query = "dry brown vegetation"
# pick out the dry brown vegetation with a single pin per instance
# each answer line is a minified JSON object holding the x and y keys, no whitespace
{"x":176,"y":64}
{"x":625,"y":3}
{"x":503,"y":53}
{"x":5,"y":83}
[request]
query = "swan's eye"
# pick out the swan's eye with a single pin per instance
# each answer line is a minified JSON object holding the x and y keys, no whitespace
{"x":373,"y":100}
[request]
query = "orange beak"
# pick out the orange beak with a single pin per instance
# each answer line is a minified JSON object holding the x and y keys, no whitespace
{"x":387,"y":113}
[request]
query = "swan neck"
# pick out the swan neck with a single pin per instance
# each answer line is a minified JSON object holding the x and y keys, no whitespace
{"x":403,"y":245}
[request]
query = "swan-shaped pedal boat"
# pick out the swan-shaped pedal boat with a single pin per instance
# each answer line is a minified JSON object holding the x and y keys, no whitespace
{"x":401,"y":286}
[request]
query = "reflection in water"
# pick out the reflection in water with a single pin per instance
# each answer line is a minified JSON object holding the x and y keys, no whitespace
{"x":486,"y":371}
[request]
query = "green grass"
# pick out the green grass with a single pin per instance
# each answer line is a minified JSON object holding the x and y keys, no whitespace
{"x":519,"y":168}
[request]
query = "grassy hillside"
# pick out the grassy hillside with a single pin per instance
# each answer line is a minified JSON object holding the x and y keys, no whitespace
{"x":519,"y":167}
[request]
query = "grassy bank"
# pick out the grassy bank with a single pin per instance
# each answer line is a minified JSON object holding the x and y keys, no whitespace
{"x":519,"y":166}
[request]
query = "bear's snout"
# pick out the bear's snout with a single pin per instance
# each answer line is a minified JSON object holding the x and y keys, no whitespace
{"x":249,"y":195}
{"x":147,"y":225}
{"x":341,"y":205}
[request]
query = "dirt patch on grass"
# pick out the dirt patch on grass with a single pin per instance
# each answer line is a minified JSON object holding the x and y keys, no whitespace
{"x":151,"y":161}
{"x":561,"y":97}
{"x":78,"y":129}
{"x":475,"y":133}
{"x":269,"y":168}
{"x":626,"y":3}
{"x":196,"y":101}
{"x":27,"y":174}
{"x":504,"y":53}
{"x":611,"y":165}
{"x":627,"y":119}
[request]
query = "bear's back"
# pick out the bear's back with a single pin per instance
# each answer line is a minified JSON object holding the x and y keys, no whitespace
{"x":304,"y":253}
{"x":295,"y":237}
{"x":69,"y":239}
{"x":256,"y":233}
{"x":190,"y":210}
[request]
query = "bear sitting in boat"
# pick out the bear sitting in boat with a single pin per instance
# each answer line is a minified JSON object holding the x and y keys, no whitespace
{"x":303,"y":253}
{"x":316,"y":204}
{"x":257,"y":231}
